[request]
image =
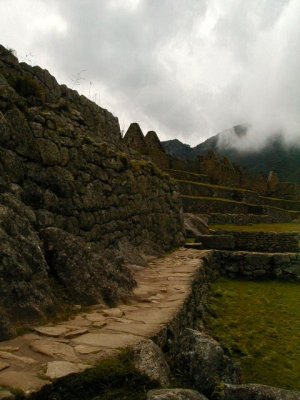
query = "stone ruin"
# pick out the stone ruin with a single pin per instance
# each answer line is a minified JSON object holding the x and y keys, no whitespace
{"x":219,"y":170}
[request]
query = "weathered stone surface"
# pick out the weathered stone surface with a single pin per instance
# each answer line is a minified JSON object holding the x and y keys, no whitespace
{"x":54,"y":331}
{"x":84,"y":349}
{"x":113,"y":312}
{"x":254,"y":391}
{"x":75,"y":333}
{"x":26,"y":381}
{"x":76,"y":205}
{"x":55,"y":349}
{"x":117,"y":341}
{"x":78,"y":266}
{"x":201,"y":360}
{"x":174,"y":394}
{"x":21,"y":359}
{"x":58,"y":369}
{"x":150,"y":360}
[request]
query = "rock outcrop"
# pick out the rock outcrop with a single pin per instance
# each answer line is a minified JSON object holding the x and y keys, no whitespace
{"x":201,"y":360}
{"x":76,"y":205}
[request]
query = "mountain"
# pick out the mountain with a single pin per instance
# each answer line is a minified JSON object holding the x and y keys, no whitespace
{"x":275,"y":155}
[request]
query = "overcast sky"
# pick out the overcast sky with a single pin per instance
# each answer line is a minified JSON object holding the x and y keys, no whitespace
{"x":187,"y":69}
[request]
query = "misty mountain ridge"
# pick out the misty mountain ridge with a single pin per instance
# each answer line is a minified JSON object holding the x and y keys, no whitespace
{"x":274,"y":155}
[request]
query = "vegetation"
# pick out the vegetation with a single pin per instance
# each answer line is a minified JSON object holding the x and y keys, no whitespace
{"x":114,"y":378}
{"x":286,"y":227}
{"x":258,"y":324}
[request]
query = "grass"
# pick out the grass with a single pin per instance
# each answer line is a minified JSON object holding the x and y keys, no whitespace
{"x":258,"y":323}
{"x":114,"y":378}
{"x":284,"y":227}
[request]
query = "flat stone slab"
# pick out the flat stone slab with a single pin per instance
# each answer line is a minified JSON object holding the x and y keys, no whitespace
{"x":85,"y":349}
{"x":58,"y":369}
{"x":55,"y":350}
{"x":111,"y":341}
{"x":26,"y":381}
{"x":95,"y":317}
{"x":54,"y":331}
{"x":113,"y":312}
{"x":137,"y":329}
{"x":153,"y":316}
{"x":9,"y":356}
{"x":75,"y":333}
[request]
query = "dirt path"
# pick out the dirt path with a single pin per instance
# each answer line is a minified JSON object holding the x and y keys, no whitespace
{"x":31,"y":361}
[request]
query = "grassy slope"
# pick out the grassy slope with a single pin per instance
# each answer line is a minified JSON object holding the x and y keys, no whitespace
{"x":259,"y":323}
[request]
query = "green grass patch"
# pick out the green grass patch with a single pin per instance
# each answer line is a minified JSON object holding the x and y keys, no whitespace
{"x":258,"y":323}
{"x":286,"y":227}
{"x":114,"y":378}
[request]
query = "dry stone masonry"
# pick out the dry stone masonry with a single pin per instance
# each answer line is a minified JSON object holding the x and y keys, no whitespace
{"x":75,"y":203}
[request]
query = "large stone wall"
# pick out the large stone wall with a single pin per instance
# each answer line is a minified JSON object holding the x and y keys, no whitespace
{"x":242,"y":264}
{"x":75,"y":205}
{"x":282,"y":203}
{"x":244,"y":219}
{"x":266,"y":241}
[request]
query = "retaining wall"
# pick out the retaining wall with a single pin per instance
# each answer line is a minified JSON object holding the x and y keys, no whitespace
{"x":266,"y":241}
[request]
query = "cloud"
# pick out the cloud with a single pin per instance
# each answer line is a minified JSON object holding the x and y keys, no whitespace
{"x":187,"y":69}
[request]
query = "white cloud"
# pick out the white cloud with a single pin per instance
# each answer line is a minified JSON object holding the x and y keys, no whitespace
{"x":187,"y":69}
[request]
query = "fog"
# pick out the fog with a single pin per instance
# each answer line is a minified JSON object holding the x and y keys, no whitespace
{"x":186,"y":69}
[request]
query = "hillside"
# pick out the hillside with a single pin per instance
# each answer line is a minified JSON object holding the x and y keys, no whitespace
{"x":274,"y":156}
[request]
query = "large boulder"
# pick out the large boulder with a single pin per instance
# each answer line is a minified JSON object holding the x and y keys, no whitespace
{"x":174,"y":394}
{"x":254,"y":392}
{"x":77,"y":266}
{"x":149,"y":360}
{"x":202,"y":362}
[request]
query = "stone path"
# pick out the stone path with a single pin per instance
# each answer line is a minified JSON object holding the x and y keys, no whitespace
{"x":31,"y":361}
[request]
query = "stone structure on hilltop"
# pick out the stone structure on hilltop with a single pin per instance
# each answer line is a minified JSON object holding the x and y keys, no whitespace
{"x":76,"y":206}
{"x":218,"y":169}
{"x":134,"y":139}
{"x":156,"y":151}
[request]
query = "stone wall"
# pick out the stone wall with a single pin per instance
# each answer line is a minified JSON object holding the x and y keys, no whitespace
{"x":282,"y":203}
{"x":242,"y":264}
{"x":266,"y":241}
{"x":244,"y":219}
{"x":76,"y":205}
